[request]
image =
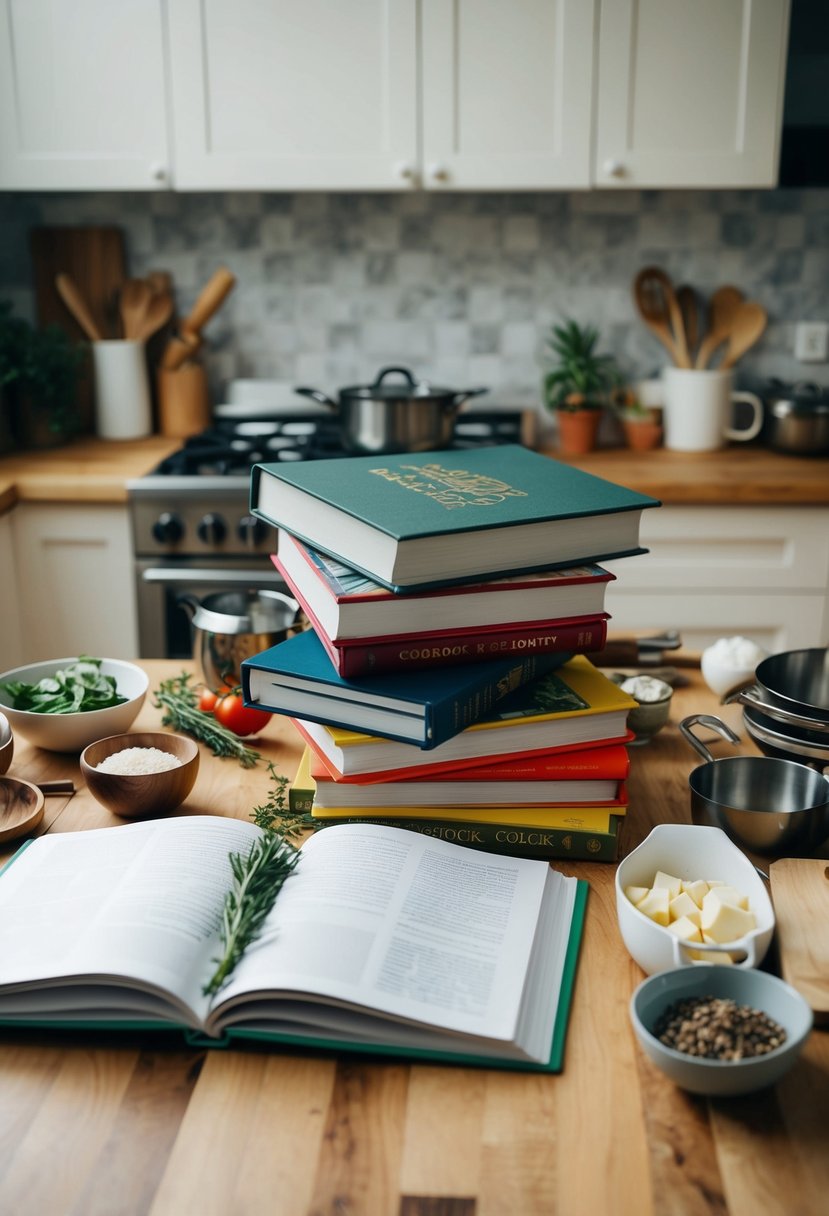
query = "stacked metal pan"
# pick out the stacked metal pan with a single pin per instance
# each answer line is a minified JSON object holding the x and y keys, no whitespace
{"x":786,"y":711}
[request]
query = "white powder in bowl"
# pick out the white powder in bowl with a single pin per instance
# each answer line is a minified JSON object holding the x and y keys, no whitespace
{"x":736,"y":652}
{"x":646,"y":689}
{"x":136,"y":761}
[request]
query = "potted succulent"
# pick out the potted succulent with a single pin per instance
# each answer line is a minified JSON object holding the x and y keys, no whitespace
{"x":577,"y":386}
{"x":39,"y":375}
{"x":642,"y":424}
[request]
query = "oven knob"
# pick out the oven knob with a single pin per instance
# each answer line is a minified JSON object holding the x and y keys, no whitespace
{"x":211,"y":529}
{"x":251,"y":530}
{"x":168,"y":529}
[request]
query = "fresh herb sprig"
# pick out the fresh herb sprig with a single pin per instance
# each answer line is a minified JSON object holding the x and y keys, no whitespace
{"x":179,"y":700}
{"x":258,"y":877}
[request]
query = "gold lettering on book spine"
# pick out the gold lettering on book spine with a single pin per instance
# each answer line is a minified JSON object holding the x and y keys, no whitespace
{"x":451,"y":488}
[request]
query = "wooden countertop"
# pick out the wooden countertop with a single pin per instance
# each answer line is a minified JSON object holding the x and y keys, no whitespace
{"x":95,"y":471}
{"x":85,"y":471}
{"x":125,"y":1125}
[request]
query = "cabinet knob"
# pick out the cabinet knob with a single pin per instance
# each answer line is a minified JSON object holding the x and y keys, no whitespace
{"x":404,"y":169}
{"x":158,"y":172}
{"x":438,"y":173}
{"x":614,"y":167}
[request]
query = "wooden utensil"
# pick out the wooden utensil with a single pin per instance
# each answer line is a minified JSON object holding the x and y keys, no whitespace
{"x":209,"y":301}
{"x":21,"y":807}
{"x":688,"y":302}
{"x":178,"y":350}
{"x":143,"y":310}
{"x":78,"y":307}
{"x":657,"y":304}
{"x":800,"y":893}
{"x":747,"y":327}
{"x":721,"y":308}
{"x":95,"y":260}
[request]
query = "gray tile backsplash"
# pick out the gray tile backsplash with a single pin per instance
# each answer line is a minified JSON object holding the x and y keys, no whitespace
{"x":461,"y":287}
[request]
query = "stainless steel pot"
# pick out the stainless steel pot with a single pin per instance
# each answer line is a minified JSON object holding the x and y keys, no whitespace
{"x":768,"y":805}
{"x":234,"y":625}
{"x":797,"y":419}
{"x":793,"y":689}
{"x":383,"y":418}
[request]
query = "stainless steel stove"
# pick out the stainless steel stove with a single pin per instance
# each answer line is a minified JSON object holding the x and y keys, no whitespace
{"x":192,"y":531}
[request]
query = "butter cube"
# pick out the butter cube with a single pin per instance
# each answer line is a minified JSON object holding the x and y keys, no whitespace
{"x":673,"y":885}
{"x":656,"y":905}
{"x":697,"y":889}
{"x":685,"y":928}
{"x":730,"y":895}
{"x":725,"y":922}
{"x":715,"y":882}
{"x":684,"y":906}
{"x":636,"y":894}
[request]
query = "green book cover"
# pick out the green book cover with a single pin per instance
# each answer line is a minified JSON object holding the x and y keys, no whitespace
{"x":424,"y":519}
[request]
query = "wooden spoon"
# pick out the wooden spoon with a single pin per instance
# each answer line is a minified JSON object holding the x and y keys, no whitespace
{"x":721,"y":308}
{"x":21,"y":807}
{"x":688,"y":302}
{"x":158,"y":312}
{"x":747,"y":327}
{"x":657,"y":304}
{"x":77,"y":305}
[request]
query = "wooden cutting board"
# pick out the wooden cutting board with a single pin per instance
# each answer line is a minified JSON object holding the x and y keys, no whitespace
{"x":800,"y":892}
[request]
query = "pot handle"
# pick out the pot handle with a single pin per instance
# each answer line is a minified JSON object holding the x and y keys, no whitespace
{"x":316,"y":395}
{"x":713,"y":724}
{"x":459,"y":398}
{"x":748,"y":696}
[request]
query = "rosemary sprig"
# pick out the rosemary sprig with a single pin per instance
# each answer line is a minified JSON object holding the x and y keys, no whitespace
{"x":258,"y":876}
{"x":179,"y":700}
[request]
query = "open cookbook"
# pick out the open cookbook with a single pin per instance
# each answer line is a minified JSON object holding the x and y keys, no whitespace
{"x":381,"y":941}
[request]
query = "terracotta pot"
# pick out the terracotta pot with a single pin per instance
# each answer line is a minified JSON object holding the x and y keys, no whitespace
{"x":577,"y":430}
{"x":642,"y":434}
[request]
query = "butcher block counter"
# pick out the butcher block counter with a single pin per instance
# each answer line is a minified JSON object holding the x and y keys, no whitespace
{"x":130,"y":1125}
{"x":96,"y":471}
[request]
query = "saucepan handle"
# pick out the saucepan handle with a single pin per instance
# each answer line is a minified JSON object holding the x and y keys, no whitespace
{"x":712,"y":723}
{"x":748,"y":696}
{"x":316,"y":395}
{"x":459,"y":398}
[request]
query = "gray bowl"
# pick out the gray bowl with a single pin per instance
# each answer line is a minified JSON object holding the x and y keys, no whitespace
{"x":721,"y":1078}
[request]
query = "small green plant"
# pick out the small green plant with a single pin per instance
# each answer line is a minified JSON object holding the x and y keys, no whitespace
{"x":580,"y":378}
{"x":39,"y":369}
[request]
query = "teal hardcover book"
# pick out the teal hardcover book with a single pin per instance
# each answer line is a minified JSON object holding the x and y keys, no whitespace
{"x":377,"y":943}
{"x":427,"y":707}
{"x":427,"y":519}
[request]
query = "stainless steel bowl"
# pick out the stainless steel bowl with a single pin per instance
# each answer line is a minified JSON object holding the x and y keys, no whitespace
{"x":773,"y":740}
{"x":797,"y":419}
{"x":772,"y":806}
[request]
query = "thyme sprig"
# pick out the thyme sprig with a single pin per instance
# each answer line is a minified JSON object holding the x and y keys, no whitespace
{"x":179,"y":700}
{"x":258,"y":877}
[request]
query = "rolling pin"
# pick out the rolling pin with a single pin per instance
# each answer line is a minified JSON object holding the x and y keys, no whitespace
{"x":209,"y":301}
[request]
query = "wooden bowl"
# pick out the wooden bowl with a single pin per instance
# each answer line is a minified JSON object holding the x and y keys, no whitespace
{"x":6,"y":744}
{"x":21,"y":807}
{"x":132,"y":796}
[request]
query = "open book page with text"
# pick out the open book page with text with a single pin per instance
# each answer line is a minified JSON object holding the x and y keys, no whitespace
{"x":139,"y":903}
{"x":399,"y":923}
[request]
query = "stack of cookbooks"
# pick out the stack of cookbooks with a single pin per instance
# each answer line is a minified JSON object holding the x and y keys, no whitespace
{"x":444,"y":683}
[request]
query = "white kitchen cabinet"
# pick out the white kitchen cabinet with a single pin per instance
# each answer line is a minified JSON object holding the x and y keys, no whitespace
{"x":83,"y":95}
{"x":317,"y":95}
{"x":711,"y":572}
{"x":690,"y":94}
{"x":10,"y":632}
{"x":75,"y":586}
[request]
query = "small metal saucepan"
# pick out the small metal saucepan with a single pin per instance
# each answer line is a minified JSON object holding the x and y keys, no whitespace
{"x":386,"y":417}
{"x":797,"y":418}
{"x":793,"y":689}
{"x":230,"y":626}
{"x":775,"y":807}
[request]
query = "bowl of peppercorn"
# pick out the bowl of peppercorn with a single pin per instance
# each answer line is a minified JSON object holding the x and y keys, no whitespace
{"x":720,"y":1031}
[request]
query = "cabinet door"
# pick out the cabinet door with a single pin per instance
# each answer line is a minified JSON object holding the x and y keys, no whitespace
{"x":506,"y":94}
{"x":315,"y":95}
{"x":690,"y":94}
{"x":82,"y":95}
{"x":75,"y":581}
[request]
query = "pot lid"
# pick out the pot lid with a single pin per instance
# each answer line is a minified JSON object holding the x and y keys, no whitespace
{"x":803,"y":396}
{"x":405,"y":387}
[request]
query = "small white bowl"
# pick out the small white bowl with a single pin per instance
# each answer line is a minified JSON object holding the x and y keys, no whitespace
{"x":72,"y":732}
{"x":721,"y":1078}
{"x":722,"y":673}
{"x":688,"y":852}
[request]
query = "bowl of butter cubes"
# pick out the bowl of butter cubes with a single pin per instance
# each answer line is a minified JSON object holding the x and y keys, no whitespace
{"x":688,"y":895}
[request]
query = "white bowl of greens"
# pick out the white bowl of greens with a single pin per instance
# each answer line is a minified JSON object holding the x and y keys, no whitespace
{"x":64,"y":704}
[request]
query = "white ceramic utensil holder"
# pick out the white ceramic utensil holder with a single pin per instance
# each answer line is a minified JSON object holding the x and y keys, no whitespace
{"x":123,"y":408}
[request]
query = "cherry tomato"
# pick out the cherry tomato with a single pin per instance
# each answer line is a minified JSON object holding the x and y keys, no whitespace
{"x":231,"y":711}
{"x":207,"y":701}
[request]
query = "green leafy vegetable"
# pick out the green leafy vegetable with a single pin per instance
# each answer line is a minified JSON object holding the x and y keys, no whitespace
{"x":180,"y":702}
{"x":258,"y":877}
{"x":77,"y":689}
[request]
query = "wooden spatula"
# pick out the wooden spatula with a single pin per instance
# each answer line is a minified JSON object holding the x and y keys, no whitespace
{"x":800,"y":893}
{"x":656,"y":302}
{"x":747,"y":327}
{"x":721,"y":308}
